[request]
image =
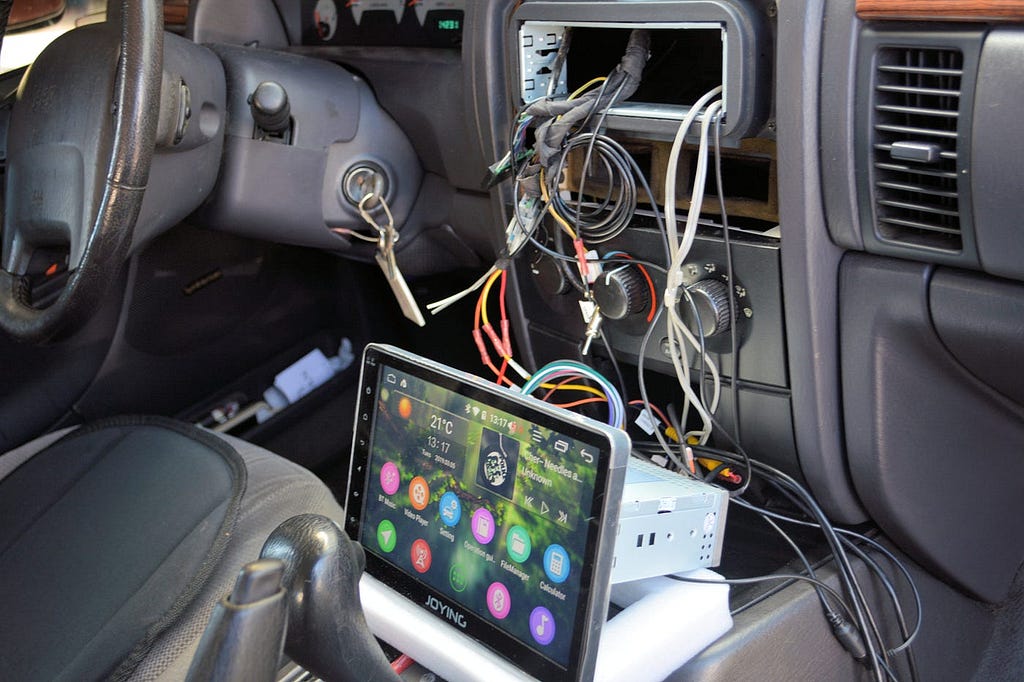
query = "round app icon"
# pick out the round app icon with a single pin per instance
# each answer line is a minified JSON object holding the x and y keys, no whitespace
{"x":482,"y":525}
{"x":420,"y":555}
{"x":457,"y":578}
{"x":542,"y":625}
{"x":450,"y":509}
{"x":390,"y":479}
{"x":556,"y":563}
{"x":517,"y":541}
{"x":419,"y":493}
{"x":499,"y":602}
{"x":387,"y":538}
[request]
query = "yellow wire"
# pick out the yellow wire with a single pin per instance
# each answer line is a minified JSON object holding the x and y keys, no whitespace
{"x":486,"y":292}
{"x":575,"y":387}
{"x":551,"y":209}
{"x":593,"y":81}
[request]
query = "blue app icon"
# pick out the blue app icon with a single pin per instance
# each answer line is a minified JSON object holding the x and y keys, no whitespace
{"x":556,"y":563}
{"x":450,"y":509}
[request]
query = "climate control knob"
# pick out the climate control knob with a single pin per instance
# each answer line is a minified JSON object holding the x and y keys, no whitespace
{"x":711,"y":300}
{"x":622,"y":292}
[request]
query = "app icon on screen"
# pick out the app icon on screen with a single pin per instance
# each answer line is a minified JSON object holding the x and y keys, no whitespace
{"x":482,"y":525}
{"x":450,"y":509}
{"x":556,"y":563}
{"x":499,"y":602}
{"x":457,"y":578}
{"x":387,"y":538}
{"x":390,"y":479}
{"x":498,"y":462}
{"x":518,"y":543}
{"x":542,"y":625}
{"x":420,"y":555}
{"x":419,"y":493}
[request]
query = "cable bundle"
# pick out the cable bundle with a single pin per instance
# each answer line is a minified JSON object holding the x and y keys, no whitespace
{"x":569,"y":368}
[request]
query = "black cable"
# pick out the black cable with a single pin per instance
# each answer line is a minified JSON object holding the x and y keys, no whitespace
{"x":846,"y":573}
{"x":624,"y":261}
{"x":807,"y":566}
{"x":761,"y":579}
{"x":734,"y":346}
{"x":875,"y":545}
{"x":890,"y":589}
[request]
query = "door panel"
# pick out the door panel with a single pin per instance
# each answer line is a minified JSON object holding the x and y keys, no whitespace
{"x":936,"y":453}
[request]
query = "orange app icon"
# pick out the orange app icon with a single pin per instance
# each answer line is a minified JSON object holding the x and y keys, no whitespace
{"x":419,"y":493}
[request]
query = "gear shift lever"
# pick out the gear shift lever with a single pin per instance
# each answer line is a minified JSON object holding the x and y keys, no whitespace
{"x":327,"y":633}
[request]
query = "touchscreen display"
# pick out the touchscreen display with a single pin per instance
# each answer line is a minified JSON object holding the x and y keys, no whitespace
{"x":490,"y":511}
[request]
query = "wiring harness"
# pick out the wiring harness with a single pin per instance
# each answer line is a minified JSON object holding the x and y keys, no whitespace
{"x":545,"y":214}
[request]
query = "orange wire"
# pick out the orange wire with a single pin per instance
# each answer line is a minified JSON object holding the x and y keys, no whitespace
{"x":584,"y":401}
{"x":654,"y":409}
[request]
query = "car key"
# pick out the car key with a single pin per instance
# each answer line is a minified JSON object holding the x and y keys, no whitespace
{"x":385,"y":258}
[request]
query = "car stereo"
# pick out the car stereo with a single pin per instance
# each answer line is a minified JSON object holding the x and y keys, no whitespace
{"x":495,"y":511}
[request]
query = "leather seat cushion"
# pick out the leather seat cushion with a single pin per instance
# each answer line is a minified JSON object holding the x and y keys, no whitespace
{"x":106,"y":538}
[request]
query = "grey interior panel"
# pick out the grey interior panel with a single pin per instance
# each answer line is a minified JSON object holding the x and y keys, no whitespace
{"x":997,"y":151}
{"x":934,"y":452}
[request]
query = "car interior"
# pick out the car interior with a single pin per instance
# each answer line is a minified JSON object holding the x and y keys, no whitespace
{"x":763,"y":253}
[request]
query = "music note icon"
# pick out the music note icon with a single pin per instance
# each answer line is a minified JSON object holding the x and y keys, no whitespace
{"x":542,"y":625}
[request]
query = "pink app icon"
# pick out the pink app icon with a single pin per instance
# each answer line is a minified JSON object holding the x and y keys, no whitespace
{"x":499,"y":602}
{"x":390,"y":480}
{"x":482,"y":526}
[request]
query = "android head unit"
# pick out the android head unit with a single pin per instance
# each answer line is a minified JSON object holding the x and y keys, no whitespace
{"x":494,"y":511}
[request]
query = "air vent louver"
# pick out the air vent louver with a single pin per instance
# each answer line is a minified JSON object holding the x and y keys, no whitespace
{"x":916,"y":112}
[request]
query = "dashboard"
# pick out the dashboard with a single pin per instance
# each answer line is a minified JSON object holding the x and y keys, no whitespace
{"x":870,"y":166}
{"x":415,"y":23}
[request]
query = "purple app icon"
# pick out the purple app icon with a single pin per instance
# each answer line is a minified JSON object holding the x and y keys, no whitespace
{"x":390,"y":480}
{"x":483,"y":526}
{"x":542,"y":625}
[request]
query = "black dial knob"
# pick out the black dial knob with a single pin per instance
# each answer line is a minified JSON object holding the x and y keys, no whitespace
{"x":622,"y":292}
{"x":269,"y":106}
{"x":711,"y":299}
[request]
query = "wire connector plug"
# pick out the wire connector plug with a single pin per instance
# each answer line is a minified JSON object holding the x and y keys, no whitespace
{"x":848,"y":636}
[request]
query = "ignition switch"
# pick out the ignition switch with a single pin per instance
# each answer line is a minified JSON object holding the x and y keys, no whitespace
{"x":362,"y":179}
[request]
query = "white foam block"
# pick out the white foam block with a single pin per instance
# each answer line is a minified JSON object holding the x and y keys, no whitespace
{"x":665,"y":623}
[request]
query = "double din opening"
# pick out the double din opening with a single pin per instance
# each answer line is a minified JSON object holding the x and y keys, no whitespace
{"x":687,"y":59}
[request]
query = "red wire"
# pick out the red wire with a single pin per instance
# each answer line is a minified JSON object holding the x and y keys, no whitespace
{"x":504,"y":366}
{"x":501,"y":294}
{"x":401,"y":664}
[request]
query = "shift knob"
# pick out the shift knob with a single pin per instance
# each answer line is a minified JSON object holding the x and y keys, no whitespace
{"x":327,"y":632}
{"x":269,"y":106}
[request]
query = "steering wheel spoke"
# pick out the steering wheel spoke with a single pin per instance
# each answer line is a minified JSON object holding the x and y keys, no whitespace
{"x":80,"y":144}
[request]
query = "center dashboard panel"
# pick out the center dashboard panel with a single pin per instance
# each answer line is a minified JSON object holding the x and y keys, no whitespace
{"x":392,"y":23}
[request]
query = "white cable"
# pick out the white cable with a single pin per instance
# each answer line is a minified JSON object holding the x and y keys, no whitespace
{"x":673,"y":163}
{"x":679,"y":249}
{"x":438,"y":306}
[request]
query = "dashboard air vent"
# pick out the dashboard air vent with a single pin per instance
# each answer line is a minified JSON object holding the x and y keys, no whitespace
{"x":915,"y":118}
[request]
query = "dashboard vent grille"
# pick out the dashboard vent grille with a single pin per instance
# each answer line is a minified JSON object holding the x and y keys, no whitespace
{"x":916,"y":114}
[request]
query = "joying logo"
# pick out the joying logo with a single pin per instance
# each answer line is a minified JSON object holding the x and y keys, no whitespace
{"x":446,"y":611}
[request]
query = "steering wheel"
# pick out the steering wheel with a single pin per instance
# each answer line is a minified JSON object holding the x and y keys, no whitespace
{"x":80,"y":145}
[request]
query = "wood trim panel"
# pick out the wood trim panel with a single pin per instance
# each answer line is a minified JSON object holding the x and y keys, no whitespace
{"x":175,"y":12}
{"x":942,"y":10}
